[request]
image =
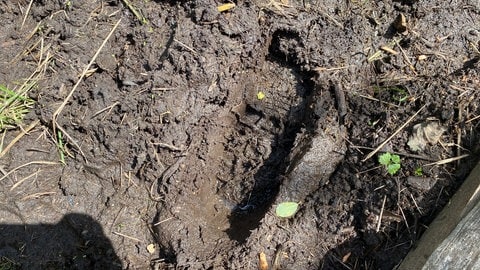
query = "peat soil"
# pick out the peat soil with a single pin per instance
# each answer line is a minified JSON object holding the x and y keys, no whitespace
{"x":191,"y":125}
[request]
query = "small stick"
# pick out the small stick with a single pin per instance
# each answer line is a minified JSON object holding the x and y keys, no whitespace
{"x":105,"y":109}
{"x":126,"y":236}
{"x":26,"y":13}
{"x":85,"y":71}
{"x":41,"y":162}
{"x":472,"y":119}
{"x":37,"y":195}
{"x":24,"y":179}
{"x":393,"y":135}
{"x":185,"y":46}
{"x":457,"y":129}
{"x":448,"y":160}
{"x":168,"y":146}
{"x":405,"y":57}
{"x":321,"y":69}
{"x":416,"y":205}
{"x":404,"y":218}
{"x":162,"y":221}
{"x":381,"y":214}
{"x":389,"y":50}
{"x":18,"y":137}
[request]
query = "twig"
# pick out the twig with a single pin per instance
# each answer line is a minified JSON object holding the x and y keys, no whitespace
{"x":26,"y":13}
{"x":331,"y":18}
{"x":381,"y":214}
{"x":18,"y":137}
{"x":472,"y":119}
{"x":39,"y":194}
{"x":185,"y":46}
{"x":85,"y":71}
{"x":24,"y":179}
{"x":162,"y":221}
{"x":169,"y":146}
{"x":416,"y":205}
{"x":129,"y":237}
{"x":321,"y":69}
{"x":405,"y":57}
{"x":109,"y":108}
{"x":393,"y":135}
{"x":448,"y":160}
{"x":41,"y":162}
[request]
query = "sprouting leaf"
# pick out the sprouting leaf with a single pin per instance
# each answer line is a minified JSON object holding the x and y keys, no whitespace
{"x":286,"y":209}
{"x":395,"y":159}
{"x":418,"y":171}
{"x":260,"y":95}
{"x":393,"y":168}
{"x":385,"y":159}
{"x":390,"y":161}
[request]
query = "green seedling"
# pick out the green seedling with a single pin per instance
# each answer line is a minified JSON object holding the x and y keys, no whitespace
{"x":260,"y":95}
{"x":418,"y":171}
{"x":8,"y":264}
{"x":14,"y":105}
{"x":390,"y":161}
{"x":286,"y":209}
{"x":398,"y":94}
{"x":135,"y":12}
{"x":60,"y":146}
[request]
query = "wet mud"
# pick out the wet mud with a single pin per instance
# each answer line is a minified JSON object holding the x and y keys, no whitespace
{"x":191,"y":125}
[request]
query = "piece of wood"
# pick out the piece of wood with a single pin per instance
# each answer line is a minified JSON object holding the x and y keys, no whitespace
{"x":461,"y":249}
{"x":451,"y":241}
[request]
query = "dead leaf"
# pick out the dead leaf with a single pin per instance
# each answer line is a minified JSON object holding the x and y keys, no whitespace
{"x":424,"y":133}
{"x":262,"y":261}
{"x":151,"y":248}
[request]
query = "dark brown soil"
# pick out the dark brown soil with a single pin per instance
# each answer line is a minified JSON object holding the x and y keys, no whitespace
{"x":169,"y":145}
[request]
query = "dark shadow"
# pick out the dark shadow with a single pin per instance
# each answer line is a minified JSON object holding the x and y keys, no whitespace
{"x":471,"y":64}
{"x":76,"y":242}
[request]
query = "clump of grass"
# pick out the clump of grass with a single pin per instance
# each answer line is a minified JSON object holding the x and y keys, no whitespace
{"x":14,"y":104}
{"x":7,"y":264}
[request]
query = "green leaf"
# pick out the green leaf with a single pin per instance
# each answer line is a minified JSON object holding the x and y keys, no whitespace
{"x":396,"y":159}
{"x":418,"y":171}
{"x":286,"y":209}
{"x":260,"y":95}
{"x":385,"y":159}
{"x":393,"y":168}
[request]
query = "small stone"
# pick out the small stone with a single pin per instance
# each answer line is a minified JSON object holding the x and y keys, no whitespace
{"x":421,"y":183}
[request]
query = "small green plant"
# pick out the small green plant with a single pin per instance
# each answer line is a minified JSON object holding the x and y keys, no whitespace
{"x":14,"y":105}
{"x":61,"y":148}
{"x":8,"y":264}
{"x":390,"y":161}
{"x":418,"y":171}
{"x":397,"y":93}
{"x":135,"y":12}
{"x":286,"y":209}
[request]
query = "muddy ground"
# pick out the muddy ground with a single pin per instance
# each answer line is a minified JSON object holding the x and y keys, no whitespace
{"x":175,"y":160}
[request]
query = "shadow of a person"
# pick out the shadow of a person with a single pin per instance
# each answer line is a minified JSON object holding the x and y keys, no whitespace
{"x":76,"y":242}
